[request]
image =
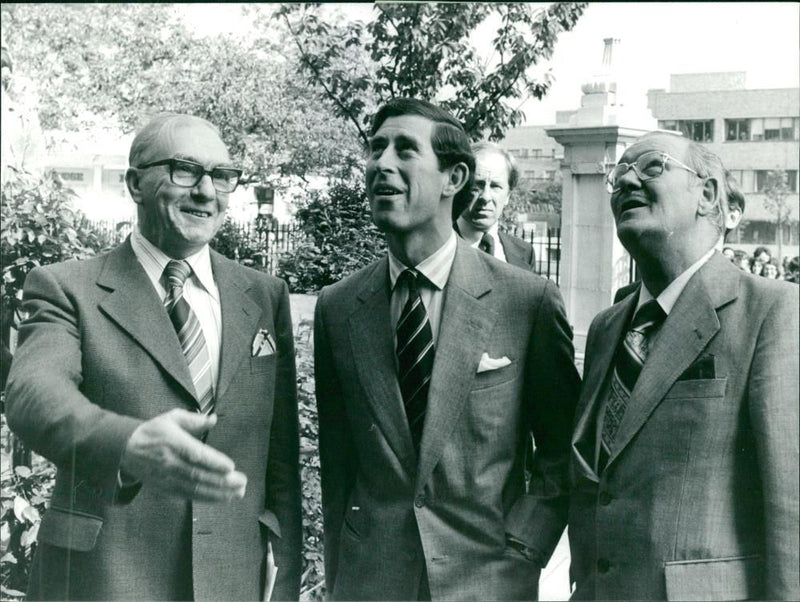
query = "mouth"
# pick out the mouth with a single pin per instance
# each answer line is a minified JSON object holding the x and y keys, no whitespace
{"x":197,"y":213}
{"x":631,"y":202}
{"x":385,"y":190}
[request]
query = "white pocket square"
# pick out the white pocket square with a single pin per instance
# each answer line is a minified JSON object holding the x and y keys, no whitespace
{"x":263,"y":344}
{"x":489,"y":363}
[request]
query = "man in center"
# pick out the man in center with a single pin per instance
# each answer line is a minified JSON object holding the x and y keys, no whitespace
{"x":433,"y":365}
{"x":496,"y":176}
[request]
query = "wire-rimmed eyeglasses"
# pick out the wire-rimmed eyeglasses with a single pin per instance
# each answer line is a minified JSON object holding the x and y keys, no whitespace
{"x":188,"y":174}
{"x":647,"y":167}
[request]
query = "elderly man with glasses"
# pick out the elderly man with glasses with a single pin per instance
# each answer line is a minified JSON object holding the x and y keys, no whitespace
{"x":160,"y":380}
{"x":685,"y":449}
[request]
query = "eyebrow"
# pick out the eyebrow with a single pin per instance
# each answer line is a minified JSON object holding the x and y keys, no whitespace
{"x":194,"y":159}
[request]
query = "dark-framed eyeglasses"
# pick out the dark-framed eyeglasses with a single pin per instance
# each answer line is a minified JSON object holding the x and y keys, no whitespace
{"x":188,"y":174}
{"x":648,"y":166}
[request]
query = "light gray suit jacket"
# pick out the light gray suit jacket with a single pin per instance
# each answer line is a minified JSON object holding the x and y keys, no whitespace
{"x":699,"y":500}
{"x":387,"y":512}
{"x":97,"y":356}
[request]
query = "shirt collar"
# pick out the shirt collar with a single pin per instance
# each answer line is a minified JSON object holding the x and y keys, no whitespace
{"x":435,"y":267}
{"x":669,"y":296}
{"x":154,"y":260}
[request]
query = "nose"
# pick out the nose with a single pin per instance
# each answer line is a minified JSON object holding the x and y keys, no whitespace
{"x":630,"y":179}
{"x":204,"y":189}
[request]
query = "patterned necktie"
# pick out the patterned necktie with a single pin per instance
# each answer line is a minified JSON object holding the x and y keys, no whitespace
{"x":190,"y":334}
{"x":628,"y":363}
{"x":415,"y":356}
{"x":487,"y":244}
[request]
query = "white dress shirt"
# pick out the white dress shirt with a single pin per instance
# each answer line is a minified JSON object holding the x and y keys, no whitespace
{"x":436,"y":269}
{"x":200,"y":290}
{"x":669,"y":296}
{"x":473,"y":237}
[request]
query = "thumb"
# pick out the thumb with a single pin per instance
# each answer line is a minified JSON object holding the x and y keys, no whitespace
{"x":194,"y":422}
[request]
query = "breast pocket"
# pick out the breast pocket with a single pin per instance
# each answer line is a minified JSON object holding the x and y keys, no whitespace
{"x":264,"y":364}
{"x":698,"y":389}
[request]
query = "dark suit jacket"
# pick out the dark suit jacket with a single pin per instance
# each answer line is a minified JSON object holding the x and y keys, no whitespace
{"x":699,"y":500}
{"x":389,"y":513}
{"x":518,"y":252}
{"x":97,"y":356}
{"x":626,"y":290}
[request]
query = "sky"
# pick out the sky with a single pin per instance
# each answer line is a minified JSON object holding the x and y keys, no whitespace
{"x":656,"y":39}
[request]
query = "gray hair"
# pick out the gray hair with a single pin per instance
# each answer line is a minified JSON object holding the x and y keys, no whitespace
{"x":156,"y":128}
{"x":513,"y":172}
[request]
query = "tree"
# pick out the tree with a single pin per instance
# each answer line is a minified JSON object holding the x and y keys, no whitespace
{"x":115,"y":65}
{"x":536,"y":199}
{"x":777,"y":200}
{"x":423,"y":50}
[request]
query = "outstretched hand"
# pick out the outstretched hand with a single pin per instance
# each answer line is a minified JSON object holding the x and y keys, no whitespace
{"x":166,"y":453}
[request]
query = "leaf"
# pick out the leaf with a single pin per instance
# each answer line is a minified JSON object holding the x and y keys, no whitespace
{"x":22,"y":471}
{"x":5,"y":534}
{"x":31,"y":514}
{"x":29,"y":536}
{"x":8,"y":558}
{"x":20,"y":504}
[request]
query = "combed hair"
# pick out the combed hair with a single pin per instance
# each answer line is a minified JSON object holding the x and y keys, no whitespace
{"x":156,"y":128}
{"x":511,"y":164}
{"x":449,"y":140}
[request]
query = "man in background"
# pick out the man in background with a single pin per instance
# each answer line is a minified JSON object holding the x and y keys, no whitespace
{"x":496,"y":176}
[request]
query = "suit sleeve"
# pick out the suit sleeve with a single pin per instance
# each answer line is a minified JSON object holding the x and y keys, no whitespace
{"x":773,"y":405}
{"x":552,"y":387}
{"x":283,"y":495}
{"x":338,"y":460}
{"x":44,"y":402}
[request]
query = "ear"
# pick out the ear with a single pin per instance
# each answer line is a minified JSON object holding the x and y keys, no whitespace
{"x":710,"y":200}
{"x":133,"y":182}
{"x":457,"y":178}
{"x":733,"y":215}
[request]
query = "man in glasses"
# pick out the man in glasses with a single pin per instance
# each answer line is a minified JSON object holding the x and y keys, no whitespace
{"x":160,"y":380}
{"x":685,"y":450}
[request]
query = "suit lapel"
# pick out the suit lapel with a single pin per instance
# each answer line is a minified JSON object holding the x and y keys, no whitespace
{"x":466,"y":323}
{"x":584,"y":437}
{"x":688,"y":329}
{"x":514,"y":254}
{"x":134,"y":305}
{"x":372,"y":343}
{"x":240,"y":317}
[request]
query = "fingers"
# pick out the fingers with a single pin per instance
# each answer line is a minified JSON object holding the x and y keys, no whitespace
{"x":192,"y":422}
{"x":207,"y":487}
{"x":198,"y":454}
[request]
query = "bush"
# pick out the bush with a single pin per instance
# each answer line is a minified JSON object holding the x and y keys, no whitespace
{"x":338,"y":238}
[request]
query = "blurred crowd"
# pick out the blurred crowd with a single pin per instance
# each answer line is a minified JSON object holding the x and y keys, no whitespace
{"x":762,"y":263}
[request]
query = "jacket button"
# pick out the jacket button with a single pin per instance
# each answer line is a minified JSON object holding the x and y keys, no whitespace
{"x":419,"y":501}
{"x":605,"y":498}
{"x":603,"y":565}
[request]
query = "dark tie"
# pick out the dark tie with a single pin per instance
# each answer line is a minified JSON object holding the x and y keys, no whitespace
{"x":414,"y":356}
{"x":190,"y":334}
{"x":630,"y":358}
{"x":487,"y":244}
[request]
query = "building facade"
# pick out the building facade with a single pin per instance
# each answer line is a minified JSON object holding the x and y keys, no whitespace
{"x":754,"y":132}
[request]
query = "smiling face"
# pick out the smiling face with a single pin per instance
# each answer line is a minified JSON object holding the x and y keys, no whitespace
{"x":406,"y":189}
{"x":490,"y":191}
{"x":176,"y":219}
{"x":662,"y":211}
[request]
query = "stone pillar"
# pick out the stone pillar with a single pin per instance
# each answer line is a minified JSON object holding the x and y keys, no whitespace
{"x":593,"y":262}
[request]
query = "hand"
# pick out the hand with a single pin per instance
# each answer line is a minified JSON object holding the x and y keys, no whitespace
{"x":165,"y":453}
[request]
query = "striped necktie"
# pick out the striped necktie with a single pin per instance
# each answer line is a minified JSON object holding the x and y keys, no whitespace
{"x":487,"y":244}
{"x":190,"y":334}
{"x":628,"y":363}
{"x":415,"y":356}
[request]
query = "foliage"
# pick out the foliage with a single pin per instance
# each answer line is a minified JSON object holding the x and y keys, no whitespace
{"x":778,"y":201}
{"x":338,"y":238}
{"x":313,"y":583}
{"x":423,"y":50}
{"x":24,"y":494}
{"x":234,"y":242}
{"x":118,"y":64}
{"x":39,"y":227}
{"x":535,"y":199}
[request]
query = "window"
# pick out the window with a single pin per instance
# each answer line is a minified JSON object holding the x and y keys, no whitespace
{"x":763,"y":128}
{"x":697,"y":130}
{"x":536,"y":153}
{"x":71,"y":176}
{"x":737,"y":129}
{"x":551,"y":175}
{"x":762,"y":179}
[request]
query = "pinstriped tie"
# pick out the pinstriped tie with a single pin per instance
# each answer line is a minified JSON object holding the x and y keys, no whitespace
{"x":415,"y":356}
{"x":628,"y":363}
{"x":190,"y":334}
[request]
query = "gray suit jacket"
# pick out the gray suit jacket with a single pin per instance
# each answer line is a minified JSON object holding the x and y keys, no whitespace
{"x":389,"y":513}
{"x":97,"y":356}
{"x":518,"y":252}
{"x":699,"y":500}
